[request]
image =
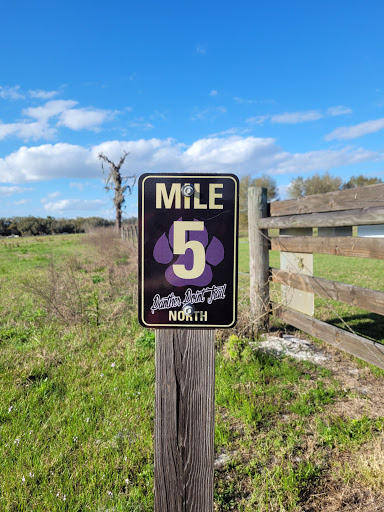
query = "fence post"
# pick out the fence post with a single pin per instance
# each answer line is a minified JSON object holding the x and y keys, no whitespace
{"x":258,"y":258}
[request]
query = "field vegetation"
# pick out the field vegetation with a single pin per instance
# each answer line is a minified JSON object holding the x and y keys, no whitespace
{"x":77,"y":393}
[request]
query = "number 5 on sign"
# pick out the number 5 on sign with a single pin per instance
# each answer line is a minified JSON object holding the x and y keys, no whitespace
{"x":180,"y":246}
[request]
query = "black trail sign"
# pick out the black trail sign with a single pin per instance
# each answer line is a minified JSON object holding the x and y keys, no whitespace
{"x":188,"y":245}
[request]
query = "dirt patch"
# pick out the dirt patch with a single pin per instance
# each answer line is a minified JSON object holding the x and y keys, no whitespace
{"x":287,"y":345}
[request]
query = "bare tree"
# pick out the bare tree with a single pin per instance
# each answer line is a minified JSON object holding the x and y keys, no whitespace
{"x":115,"y":181}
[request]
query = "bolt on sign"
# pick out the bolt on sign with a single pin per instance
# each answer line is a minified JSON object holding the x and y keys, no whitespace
{"x":188,"y":246}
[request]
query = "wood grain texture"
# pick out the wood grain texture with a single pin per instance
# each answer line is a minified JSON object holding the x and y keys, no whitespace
{"x":357,"y":217}
{"x":362,"y":197}
{"x":258,"y":258}
{"x":353,"y":344}
{"x":363,"y":298}
{"x":184,"y":420}
{"x":337,"y":246}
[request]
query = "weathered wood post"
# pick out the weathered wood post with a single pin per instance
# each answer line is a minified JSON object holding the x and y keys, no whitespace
{"x":188,"y":226}
{"x":258,"y":259}
{"x":184,"y":420}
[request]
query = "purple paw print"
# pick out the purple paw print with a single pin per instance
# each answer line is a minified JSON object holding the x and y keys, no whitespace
{"x":214,"y":254}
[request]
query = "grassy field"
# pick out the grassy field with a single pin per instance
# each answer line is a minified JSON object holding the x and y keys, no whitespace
{"x":77,"y":395}
{"x":363,"y":272}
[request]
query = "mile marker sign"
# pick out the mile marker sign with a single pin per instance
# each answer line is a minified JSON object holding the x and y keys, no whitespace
{"x":188,"y":245}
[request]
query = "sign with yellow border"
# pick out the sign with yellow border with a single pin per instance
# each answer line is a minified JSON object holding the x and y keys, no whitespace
{"x":188,"y":247}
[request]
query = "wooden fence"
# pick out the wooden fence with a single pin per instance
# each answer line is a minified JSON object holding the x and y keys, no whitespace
{"x":129,"y":232}
{"x":333,"y":214}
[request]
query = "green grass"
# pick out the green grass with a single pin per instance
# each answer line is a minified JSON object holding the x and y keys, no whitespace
{"x":274,"y":419}
{"x":364,"y":272}
{"x":20,"y":255}
{"x":77,"y":377}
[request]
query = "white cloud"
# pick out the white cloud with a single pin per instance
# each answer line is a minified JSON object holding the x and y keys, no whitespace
{"x":296,"y":117}
{"x":323,"y":160}
{"x":10,"y":191}
{"x":68,"y":205}
{"x":213,"y":92}
{"x":358,"y":130}
{"x":12,"y":93}
{"x":50,"y":196}
{"x":36,"y":130}
{"x":340,"y":110}
{"x":44,"y":95}
{"x":256,"y":119}
{"x":141,"y":123}
{"x":231,"y":131}
{"x":238,"y":154}
{"x":42,"y":127}
{"x":84,"y":118}
{"x":50,"y":109}
{"x":46,"y":162}
{"x":241,"y":101}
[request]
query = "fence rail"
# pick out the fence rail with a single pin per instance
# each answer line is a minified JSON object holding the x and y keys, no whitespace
{"x":350,"y":199}
{"x":336,"y":246}
{"x":357,"y":217}
{"x":353,"y":344}
{"x":363,"y":298}
{"x":338,"y":211}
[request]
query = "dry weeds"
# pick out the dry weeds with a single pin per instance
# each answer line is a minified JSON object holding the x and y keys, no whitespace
{"x":95,"y":288}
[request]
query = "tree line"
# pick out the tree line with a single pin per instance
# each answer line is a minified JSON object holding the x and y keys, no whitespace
{"x":32,"y":226}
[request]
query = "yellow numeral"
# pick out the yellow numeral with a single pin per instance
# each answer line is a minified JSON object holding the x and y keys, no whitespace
{"x":180,"y":246}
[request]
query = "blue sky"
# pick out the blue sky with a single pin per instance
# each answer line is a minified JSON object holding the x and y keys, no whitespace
{"x":281,"y":88}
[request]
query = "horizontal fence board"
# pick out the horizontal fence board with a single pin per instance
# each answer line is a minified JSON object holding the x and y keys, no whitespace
{"x":363,"y":298}
{"x":357,"y":217}
{"x":337,"y":246}
{"x":361,"y":197}
{"x":353,"y":344}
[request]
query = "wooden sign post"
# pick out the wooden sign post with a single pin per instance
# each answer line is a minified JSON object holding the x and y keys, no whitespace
{"x":184,"y":419}
{"x":188,"y":239}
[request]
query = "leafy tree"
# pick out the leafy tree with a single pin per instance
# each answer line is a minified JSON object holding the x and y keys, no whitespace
{"x":262,"y":181}
{"x":4,"y":226}
{"x":13,"y":225}
{"x":130,"y":220}
{"x":31,"y":226}
{"x":118,"y":183}
{"x":316,"y":184}
{"x":361,"y":181}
